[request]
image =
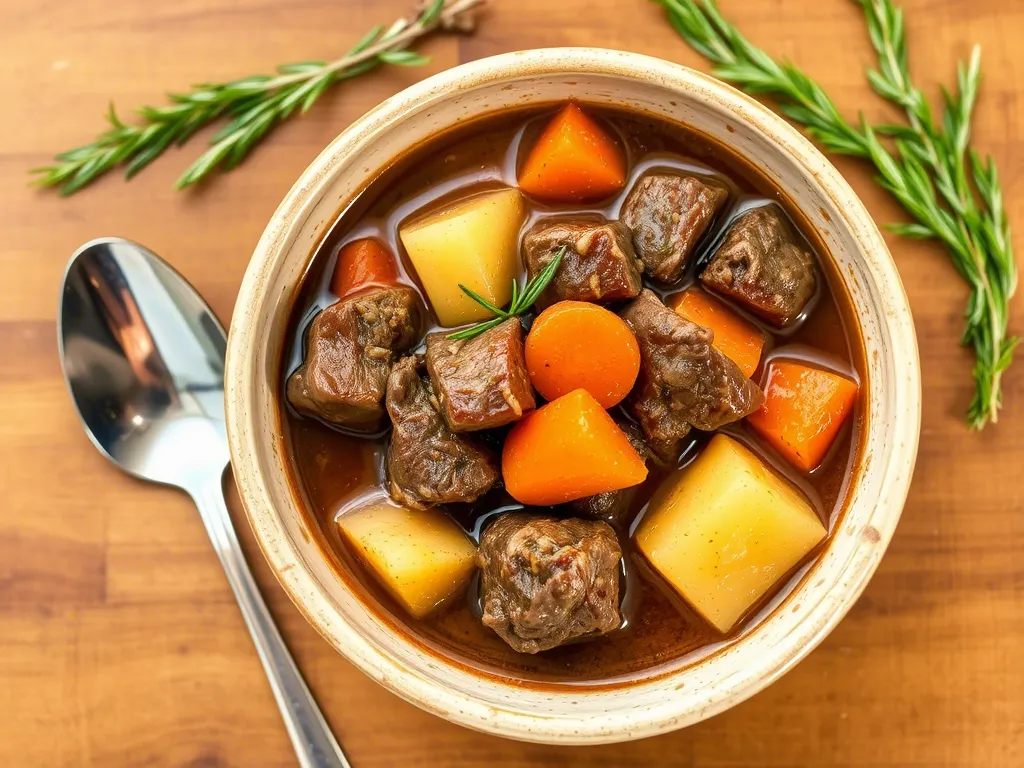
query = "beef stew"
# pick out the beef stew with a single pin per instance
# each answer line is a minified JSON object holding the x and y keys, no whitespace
{"x":561,"y":498}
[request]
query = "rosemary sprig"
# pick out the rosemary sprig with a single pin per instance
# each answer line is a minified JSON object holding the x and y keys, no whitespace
{"x":927,"y":171}
{"x":253,"y":105}
{"x":983,"y":250}
{"x":521,"y":301}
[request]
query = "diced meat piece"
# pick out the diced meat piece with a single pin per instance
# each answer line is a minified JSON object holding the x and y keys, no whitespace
{"x":668,"y":213}
{"x":545,"y":581}
{"x":665,"y":453}
{"x":427,"y":463}
{"x":684,"y":381}
{"x":481,"y":382}
{"x":599,"y":264}
{"x":613,"y":506}
{"x":761,"y":266}
{"x":349,"y":350}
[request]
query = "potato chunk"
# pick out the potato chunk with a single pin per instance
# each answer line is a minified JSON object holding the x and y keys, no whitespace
{"x":724,"y":530}
{"x":474,"y":242}
{"x":420,"y":556}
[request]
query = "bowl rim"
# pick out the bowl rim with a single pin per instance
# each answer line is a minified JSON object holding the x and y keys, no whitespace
{"x":455,"y":705}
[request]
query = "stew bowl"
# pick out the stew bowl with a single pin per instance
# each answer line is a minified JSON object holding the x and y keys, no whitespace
{"x":668,"y":698}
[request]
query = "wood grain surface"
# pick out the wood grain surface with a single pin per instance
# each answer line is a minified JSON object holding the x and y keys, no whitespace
{"x":120,"y":643}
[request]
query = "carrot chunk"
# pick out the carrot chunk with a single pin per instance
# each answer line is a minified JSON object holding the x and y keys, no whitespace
{"x":566,"y":450}
{"x":573,"y":160}
{"x":736,"y":338}
{"x":803,"y":411}
{"x":362,"y":264}
{"x":576,"y":345}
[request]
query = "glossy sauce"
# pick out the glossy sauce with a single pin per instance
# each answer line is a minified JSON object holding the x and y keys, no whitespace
{"x":333,"y":471}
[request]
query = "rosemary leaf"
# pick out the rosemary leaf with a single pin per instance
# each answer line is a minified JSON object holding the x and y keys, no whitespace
{"x":403,"y":58}
{"x":432,"y":11}
{"x":498,"y":312}
{"x":535,"y":287}
{"x":370,"y":38}
{"x":476,"y":330}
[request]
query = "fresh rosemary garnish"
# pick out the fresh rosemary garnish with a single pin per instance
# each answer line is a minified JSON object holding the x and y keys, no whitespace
{"x":952,"y":199}
{"x":520,"y":303}
{"x":254,"y":105}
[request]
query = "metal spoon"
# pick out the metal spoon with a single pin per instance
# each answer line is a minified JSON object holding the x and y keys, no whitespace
{"x":143,"y":356}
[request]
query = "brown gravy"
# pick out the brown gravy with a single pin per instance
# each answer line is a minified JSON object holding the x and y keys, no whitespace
{"x":330,"y":470}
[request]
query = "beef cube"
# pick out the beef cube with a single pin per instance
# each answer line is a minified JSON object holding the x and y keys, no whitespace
{"x":668,"y":213}
{"x":598,"y":266}
{"x":684,"y":381}
{"x":614,"y":506}
{"x":545,"y":581}
{"x":761,"y":266}
{"x":349,"y":350}
{"x":427,"y":463}
{"x":666,"y":453}
{"x":481,"y":382}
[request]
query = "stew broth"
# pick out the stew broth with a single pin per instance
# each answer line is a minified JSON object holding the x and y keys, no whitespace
{"x":333,"y":470}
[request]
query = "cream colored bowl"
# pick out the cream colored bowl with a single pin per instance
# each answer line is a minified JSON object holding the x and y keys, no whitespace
{"x":573,"y":714}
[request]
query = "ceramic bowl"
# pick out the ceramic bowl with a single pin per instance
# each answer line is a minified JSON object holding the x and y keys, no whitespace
{"x":573,"y":714}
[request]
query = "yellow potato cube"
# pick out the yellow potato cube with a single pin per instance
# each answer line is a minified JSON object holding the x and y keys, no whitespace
{"x":725,"y":529}
{"x":420,"y":556}
{"x":474,"y":242}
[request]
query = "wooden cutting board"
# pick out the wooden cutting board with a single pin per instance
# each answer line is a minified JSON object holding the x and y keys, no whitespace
{"x":120,"y":643}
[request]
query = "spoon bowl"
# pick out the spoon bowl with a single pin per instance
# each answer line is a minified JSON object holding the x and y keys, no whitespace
{"x":143,"y":356}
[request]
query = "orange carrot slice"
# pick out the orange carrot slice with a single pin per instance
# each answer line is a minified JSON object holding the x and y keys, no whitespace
{"x":362,"y":264}
{"x":566,"y":450}
{"x":736,"y":338}
{"x":803,"y":411}
{"x":576,"y":345}
{"x":573,"y":160}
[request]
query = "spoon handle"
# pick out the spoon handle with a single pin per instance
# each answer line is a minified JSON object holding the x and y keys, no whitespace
{"x":314,"y":743}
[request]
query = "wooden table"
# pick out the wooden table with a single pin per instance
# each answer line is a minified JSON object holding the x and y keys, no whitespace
{"x":120,"y":643}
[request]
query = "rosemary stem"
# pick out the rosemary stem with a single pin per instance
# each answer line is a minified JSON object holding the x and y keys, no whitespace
{"x":412,"y":31}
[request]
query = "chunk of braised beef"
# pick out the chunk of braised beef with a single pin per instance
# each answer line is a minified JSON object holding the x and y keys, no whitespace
{"x":614,"y":506}
{"x":763,"y":267}
{"x":350,"y":347}
{"x":427,"y":463}
{"x":668,"y":213}
{"x":665,"y":453}
{"x":481,"y":383}
{"x":545,"y":581}
{"x":599,"y":264}
{"x":684,"y":381}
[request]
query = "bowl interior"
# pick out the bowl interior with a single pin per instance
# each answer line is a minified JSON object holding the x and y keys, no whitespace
{"x":571,"y":713}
